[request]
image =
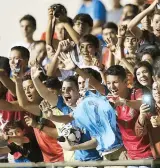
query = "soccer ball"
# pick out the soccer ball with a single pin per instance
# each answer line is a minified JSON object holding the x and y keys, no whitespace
{"x":72,"y":134}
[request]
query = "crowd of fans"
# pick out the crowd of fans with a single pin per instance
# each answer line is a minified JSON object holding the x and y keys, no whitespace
{"x":75,"y":96}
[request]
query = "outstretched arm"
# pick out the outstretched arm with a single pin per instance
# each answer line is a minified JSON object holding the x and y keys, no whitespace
{"x":42,"y":89}
{"x":135,"y":21}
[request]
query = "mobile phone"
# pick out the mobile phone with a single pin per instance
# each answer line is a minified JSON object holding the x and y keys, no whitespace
{"x":61,"y":139}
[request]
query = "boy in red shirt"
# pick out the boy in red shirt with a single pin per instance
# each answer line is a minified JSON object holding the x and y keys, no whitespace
{"x":127,"y":103}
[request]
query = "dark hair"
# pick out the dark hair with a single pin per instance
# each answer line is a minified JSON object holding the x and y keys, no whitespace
{"x":53,"y":83}
{"x":27,"y":76}
{"x":13,"y":125}
{"x":60,"y":6}
{"x":94,"y":73}
{"x":151,"y":52}
{"x":90,"y":39}
{"x":139,"y":65}
{"x":110,"y":25}
{"x":116,"y":70}
{"x":135,"y":8}
{"x":29,"y":18}
{"x":85,"y":18}
{"x":24,"y":52}
{"x":72,"y":79}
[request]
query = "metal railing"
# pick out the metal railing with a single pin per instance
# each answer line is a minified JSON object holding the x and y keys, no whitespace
{"x":147,"y":162}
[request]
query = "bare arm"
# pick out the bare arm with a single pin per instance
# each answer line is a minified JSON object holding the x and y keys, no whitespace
{"x":135,"y":104}
{"x":42,"y":89}
{"x":62,"y":119}
{"x":73,"y":34}
{"x":92,"y":81}
{"x":91,"y":144}
{"x":52,"y":67}
{"x":134,"y":22}
{"x":19,"y":140}
{"x":10,"y":106}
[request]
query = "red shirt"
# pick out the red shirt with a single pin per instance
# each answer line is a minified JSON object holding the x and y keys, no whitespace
{"x":51,"y":150}
{"x":43,"y":36}
{"x":137,"y":147}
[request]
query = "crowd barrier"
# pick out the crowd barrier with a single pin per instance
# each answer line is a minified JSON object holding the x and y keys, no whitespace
{"x":147,"y":162}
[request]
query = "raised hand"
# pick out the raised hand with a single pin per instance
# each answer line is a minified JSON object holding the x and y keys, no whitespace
{"x":65,"y":45}
{"x":122,"y":29}
{"x":35,"y":72}
{"x":46,"y":109}
{"x":30,"y":121}
{"x":51,"y":14}
{"x":67,"y":61}
{"x":144,"y":109}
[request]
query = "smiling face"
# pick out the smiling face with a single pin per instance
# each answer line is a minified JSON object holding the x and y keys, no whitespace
{"x":87,"y":49}
{"x":144,"y":76}
{"x":30,"y":91}
{"x":109,"y":33}
{"x":70,"y":93}
{"x":155,"y":23}
{"x":14,"y":57}
{"x":116,"y":85}
{"x":156,"y":92}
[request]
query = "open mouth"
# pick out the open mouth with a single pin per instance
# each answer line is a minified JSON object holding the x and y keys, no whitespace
{"x":67,"y":98}
{"x":114,"y":91}
{"x":29,"y":96}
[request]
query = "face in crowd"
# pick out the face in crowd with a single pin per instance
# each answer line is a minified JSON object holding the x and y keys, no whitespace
{"x":81,"y":28}
{"x":109,"y":33}
{"x":15,"y":56}
{"x":130,"y":44}
{"x":156,"y":92}
{"x":27,"y":28}
{"x":155,"y":23}
{"x":116,"y":85}
{"x":70,"y":93}
{"x":30,"y":91}
{"x":144,"y":76}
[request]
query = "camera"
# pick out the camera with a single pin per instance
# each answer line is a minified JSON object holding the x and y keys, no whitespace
{"x":148,"y":99}
{"x":59,"y":10}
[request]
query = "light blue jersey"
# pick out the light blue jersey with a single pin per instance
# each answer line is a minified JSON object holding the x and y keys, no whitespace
{"x":97,"y":116}
{"x":96,"y":10}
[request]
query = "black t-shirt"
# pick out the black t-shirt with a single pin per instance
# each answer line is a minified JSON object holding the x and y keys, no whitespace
{"x":29,"y":150}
